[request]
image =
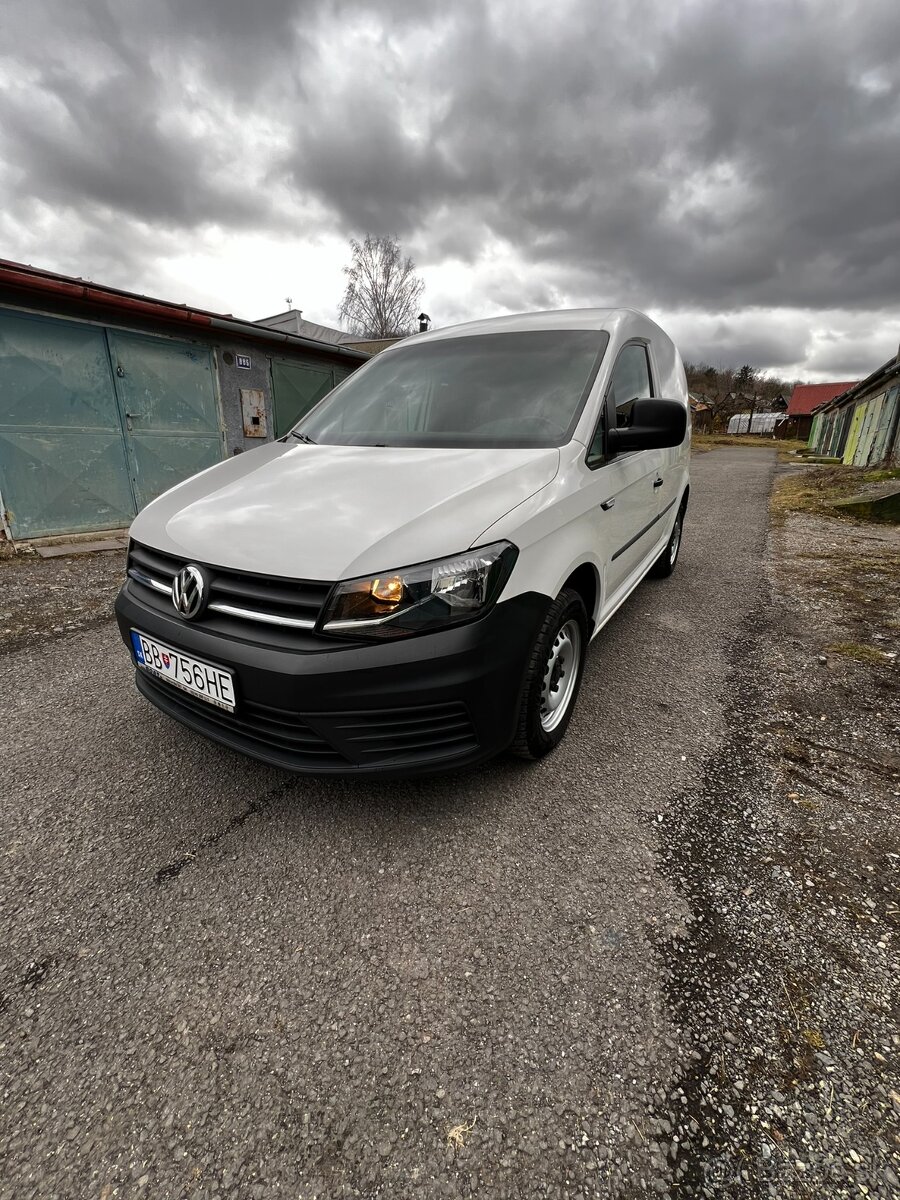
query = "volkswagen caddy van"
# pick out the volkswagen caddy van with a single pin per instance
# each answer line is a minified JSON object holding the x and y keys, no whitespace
{"x":409,"y":580}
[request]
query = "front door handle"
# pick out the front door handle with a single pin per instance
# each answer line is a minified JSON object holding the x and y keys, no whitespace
{"x":657,"y":482}
{"x":608,"y":504}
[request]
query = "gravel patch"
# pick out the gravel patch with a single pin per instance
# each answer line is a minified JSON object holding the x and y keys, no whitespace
{"x":44,"y":599}
{"x":786,"y":980}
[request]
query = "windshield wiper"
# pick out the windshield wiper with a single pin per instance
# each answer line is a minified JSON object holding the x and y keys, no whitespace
{"x":302,"y":437}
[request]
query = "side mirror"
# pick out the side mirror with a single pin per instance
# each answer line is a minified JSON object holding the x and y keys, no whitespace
{"x":655,"y":425}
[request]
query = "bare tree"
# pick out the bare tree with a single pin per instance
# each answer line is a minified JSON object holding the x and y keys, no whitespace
{"x":383,"y":289}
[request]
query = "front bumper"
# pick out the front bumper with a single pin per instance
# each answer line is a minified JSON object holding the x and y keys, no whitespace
{"x":414,"y":706}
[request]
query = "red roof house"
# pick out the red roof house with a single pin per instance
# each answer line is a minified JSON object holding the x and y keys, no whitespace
{"x":808,"y":396}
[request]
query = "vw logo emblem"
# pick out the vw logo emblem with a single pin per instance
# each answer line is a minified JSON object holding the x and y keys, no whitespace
{"x":189,"y":591}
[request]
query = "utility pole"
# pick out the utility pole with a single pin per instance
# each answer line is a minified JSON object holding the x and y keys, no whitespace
{"x":753,"y":402}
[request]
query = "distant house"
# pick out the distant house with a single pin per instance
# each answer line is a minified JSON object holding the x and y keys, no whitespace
{"x":861,"y":425}
{"x":375,"y":345}
{"x":294,"y":322}
{"x":108,"y":398}
{"x":805,"y":398}
{"x":701,"y":413}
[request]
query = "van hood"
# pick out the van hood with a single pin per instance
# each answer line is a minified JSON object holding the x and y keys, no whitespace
{"x":334,"y":512}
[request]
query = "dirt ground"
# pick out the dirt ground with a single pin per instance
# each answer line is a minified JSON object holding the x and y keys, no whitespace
{"x":787,"y":979}
{"x":45,"y":598}
{"x":663,"y":962}
{"x":701,"y":442}
{"x":815,"y":489}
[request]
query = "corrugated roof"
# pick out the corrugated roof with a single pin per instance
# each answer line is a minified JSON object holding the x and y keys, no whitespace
{"x":807,"y":396}
{"x":34,"y":281}
{"x":294,"y":321}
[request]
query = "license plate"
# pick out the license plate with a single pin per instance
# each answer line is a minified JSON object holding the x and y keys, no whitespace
{"x":209,"y":683}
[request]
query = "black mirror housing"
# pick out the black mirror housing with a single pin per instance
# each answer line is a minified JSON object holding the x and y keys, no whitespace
{"x":655,"y":425}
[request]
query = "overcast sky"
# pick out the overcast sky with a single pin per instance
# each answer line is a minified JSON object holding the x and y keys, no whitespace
{"x":732,"y":168}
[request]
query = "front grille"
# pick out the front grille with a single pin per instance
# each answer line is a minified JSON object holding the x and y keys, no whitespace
{"x":326,"y":741}
{"x":270,"y":733}
{"x":238,"y":601}
{"x":406,"y":734}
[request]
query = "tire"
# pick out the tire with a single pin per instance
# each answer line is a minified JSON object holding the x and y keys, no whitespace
{"x":559,"y":650}
{"x":665,"y":564}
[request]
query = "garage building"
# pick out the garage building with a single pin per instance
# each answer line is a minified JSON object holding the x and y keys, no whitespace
{"x":108,"y":398}
{"x":861,"y":426}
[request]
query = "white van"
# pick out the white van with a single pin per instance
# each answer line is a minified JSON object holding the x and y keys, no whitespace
{"x":409,"y":580}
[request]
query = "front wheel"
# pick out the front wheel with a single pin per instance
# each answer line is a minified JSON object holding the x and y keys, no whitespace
{"x":553,"y":677}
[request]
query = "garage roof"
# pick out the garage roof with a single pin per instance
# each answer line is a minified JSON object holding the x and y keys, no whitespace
{"x":34,"y":282}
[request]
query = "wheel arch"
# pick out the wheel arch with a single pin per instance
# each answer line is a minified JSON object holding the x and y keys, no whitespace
{"x":585,"y":580}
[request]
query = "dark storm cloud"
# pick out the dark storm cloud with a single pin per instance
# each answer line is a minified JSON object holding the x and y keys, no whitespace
{"x":97,"y":110}
{"x":92,"y":148}
{"x":378,"y":178}
{"x":691,"y":155}
{"x":703,"y":153}
{"x":747,"y":341}
{"x":851,"y":353}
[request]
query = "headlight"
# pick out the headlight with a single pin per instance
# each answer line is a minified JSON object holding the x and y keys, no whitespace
{"x":418,"y":599}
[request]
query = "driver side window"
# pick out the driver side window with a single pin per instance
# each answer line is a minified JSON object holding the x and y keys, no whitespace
{"x":630,"y":381}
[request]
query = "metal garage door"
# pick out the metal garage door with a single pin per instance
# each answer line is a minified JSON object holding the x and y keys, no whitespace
{"x":95,"y":423}
{"x":62,"y":453}
{"x":295,"y":390}
{"x":168,"y":404}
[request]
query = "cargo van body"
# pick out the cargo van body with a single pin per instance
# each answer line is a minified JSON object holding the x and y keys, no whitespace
{"x":409,"y":580}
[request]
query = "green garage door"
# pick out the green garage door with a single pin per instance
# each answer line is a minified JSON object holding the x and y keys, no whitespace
{"x":295,"y":390}
{"x":62,"y":454}
{"x":95,"y":423}
{"x":168,"y":404}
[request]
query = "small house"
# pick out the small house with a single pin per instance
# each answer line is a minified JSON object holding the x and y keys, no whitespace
{"x":805,"y":398}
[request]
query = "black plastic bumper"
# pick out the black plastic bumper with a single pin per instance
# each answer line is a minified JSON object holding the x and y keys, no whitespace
{"x":413,"y":706}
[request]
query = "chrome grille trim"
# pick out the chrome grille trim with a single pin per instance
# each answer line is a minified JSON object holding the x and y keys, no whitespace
{"x":248,"y":614}
{"x":149,"y":581}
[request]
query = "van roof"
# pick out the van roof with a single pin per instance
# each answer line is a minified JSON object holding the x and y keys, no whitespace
{"x":608,"y":319}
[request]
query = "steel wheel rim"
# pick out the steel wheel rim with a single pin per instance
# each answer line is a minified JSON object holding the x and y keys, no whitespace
{"x":560,"y":675}
{"x":675,"y":543}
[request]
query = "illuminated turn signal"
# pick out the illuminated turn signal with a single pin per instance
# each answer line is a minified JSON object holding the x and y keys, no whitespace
{"x":388,"y":590}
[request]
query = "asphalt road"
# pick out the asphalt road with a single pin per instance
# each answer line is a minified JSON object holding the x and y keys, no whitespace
{"x":219,"y":979}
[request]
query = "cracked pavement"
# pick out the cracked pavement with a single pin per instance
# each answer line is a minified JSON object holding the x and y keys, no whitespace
{"x":218,"y":979}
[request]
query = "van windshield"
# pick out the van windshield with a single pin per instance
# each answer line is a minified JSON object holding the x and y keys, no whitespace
{"x":497,"y":390}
